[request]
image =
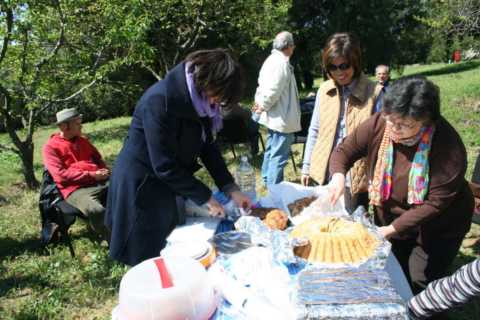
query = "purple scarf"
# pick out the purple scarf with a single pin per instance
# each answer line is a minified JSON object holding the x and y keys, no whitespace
{"x":201,"y":105}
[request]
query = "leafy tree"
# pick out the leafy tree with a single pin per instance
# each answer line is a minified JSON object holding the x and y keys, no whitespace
{"x":54,"y":52}
{"x":456,"y":24}
{"x":51,"y":53}
{"x":385,"y":28}
{"x":161,"y":33}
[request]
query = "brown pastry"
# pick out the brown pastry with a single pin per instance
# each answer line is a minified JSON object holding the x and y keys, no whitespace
{"x":298,"y":205}
{"x":334,"y":240}
{"x":276,"y":219}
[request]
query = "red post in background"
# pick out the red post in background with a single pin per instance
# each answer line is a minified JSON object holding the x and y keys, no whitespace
{"x":457,"y":56}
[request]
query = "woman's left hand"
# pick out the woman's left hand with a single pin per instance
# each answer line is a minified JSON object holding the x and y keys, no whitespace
{"x":387,"y":231}
{"x":241,"y":200}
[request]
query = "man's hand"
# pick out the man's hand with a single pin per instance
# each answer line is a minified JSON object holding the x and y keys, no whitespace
{"x":336,"y":187}
{"x":215,"y":208}
{"x":241,"y":200}
{"x":101,"y":174}
{"x":257,"y":108}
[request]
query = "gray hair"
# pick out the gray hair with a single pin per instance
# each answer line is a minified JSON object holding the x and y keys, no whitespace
{"x":283,"y":40}
{"x":387,"y":68}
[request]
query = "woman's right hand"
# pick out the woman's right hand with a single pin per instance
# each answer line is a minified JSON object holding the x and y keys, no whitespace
{"x":336,"y":187}
{"x":215,"y":209}
{"x":305,"y":179}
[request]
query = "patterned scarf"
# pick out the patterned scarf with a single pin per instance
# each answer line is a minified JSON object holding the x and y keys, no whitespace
{"x":418,"y":178}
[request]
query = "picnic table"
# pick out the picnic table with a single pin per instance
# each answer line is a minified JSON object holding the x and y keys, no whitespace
{"x":203,"y":228}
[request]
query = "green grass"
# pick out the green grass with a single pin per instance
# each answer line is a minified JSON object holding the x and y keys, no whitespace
{"x":49,"y":284}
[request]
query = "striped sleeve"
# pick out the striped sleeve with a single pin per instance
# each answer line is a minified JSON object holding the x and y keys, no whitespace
{"x":447,"y":293}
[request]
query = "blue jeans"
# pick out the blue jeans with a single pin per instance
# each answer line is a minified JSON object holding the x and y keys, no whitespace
{"x":276,"y":156}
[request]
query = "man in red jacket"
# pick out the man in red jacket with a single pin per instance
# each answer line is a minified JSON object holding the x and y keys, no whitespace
{"x":78,"y":169}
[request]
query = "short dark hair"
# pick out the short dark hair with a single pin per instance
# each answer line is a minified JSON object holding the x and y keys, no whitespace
{"x":217,"y":72}
{"x":344,"y":45}
{"x":413,"y":96}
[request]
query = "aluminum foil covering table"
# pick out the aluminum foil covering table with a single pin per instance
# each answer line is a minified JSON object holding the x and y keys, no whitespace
{"x":390,"y":280}
{"x":357,"y":293}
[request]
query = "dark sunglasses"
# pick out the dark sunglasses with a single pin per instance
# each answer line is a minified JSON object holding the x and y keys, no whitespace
{"x":343,"y":67}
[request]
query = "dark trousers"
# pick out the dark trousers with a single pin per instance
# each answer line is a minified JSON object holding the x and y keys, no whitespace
{"x":423,"y":264}
{"x":91,"y":202}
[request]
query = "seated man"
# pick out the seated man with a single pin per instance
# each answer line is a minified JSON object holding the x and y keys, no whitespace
{"x":78,"y":169}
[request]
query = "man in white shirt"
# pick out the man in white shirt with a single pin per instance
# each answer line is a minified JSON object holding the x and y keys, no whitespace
{"x":277,"y":107}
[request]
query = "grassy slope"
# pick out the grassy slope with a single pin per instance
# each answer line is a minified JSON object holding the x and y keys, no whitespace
{"x":51,"y":285}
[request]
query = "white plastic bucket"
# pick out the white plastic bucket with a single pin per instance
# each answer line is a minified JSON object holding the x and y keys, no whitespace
{"x":201,"y":251}
{"x":142,"y":296}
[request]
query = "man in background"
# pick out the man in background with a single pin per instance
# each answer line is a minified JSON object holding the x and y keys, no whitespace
{"x":277,"y":107}
{"x":78,"y":169}
{"x":382,"y":73}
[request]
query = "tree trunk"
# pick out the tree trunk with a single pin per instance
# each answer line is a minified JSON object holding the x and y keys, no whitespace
{"x":26,"y":154}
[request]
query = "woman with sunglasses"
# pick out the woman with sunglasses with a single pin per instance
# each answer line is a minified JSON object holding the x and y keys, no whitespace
{"x":174,"y":125}
{"x":416,"y":164}
{"x":342,"y":103}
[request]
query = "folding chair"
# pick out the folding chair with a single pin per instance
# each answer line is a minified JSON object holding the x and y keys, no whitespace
{"x":235,"y":131}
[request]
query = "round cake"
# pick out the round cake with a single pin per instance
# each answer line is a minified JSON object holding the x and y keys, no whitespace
{"x":334,"y":240}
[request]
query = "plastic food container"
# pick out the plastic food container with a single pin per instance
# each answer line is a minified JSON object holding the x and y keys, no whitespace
{"x":181,"y":291}
{"x":202,"y":251}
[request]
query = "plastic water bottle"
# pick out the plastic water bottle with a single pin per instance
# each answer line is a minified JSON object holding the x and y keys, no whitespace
{"x":245,"y":178}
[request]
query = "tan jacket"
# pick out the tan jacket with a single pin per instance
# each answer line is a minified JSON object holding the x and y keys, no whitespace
{"x":359,"y":108}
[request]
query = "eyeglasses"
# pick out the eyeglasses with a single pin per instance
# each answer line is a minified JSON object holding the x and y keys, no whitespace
{"x":343,"y":66}
{"x":401,"y":126}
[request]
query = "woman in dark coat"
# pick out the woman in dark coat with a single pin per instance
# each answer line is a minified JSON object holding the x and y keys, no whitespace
{"x":173,"y":125}
{"x":416,"y":165}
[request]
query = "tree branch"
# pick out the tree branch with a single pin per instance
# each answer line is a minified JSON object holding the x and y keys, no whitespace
{"x":60,"y":41}
{"x":9,"y":123}
{"x":24,"y":63}
{"x":42,"y":109}
{"x":156,"y":75}
{"x":30,"y":126}
{"x":8,"y":32}
{"x":76,"y":93}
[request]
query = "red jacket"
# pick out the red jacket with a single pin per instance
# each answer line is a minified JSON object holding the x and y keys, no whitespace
{"x":71,"y":162}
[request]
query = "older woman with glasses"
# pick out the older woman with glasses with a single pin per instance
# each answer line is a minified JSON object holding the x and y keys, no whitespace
{"x":174,"y":125}
{"x":416,"y":164}
{"x":343,"y":102}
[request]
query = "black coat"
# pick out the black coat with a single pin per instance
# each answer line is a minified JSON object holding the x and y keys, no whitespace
{"x":157,"y":162}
